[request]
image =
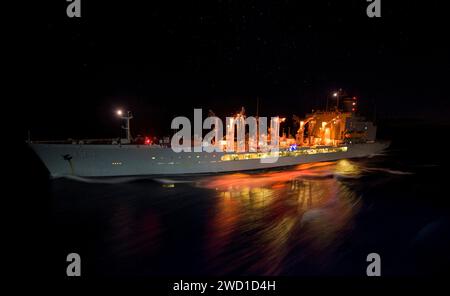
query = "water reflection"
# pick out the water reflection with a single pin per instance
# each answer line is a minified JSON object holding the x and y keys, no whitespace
{"x":265,"y":223}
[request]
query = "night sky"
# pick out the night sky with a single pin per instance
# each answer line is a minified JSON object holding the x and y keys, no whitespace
{"x":162,"y":59}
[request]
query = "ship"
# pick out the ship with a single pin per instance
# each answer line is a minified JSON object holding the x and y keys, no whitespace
{"x":323,"y":135}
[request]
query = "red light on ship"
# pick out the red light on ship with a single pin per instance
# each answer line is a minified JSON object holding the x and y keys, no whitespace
{"x":147,"y":141}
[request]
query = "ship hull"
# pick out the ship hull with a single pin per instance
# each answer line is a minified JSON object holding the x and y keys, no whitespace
{"x":140,"y":160}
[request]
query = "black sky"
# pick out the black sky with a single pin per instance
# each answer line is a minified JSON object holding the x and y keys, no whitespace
{"x":162,"y":59}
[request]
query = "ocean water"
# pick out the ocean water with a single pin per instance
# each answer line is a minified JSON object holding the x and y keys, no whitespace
{"x":315,"y":219}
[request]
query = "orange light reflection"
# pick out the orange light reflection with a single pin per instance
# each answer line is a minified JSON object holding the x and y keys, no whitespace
{"x":274,"y":213}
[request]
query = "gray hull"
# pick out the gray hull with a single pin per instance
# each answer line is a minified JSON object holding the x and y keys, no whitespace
{"x":134,"y":160}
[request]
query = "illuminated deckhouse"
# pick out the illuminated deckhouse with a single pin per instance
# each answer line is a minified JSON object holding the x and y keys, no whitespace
{"x":285,"y":153}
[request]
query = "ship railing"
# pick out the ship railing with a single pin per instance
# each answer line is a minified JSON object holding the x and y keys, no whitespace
{"x":78,"y":141}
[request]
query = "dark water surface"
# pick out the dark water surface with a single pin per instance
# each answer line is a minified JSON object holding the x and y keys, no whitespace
{"x":315,"y":219}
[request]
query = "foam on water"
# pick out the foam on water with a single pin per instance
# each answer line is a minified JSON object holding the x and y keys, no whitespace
{"x":389,"y":171}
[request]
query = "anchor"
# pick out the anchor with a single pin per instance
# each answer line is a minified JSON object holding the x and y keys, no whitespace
{"x":69,"y":157}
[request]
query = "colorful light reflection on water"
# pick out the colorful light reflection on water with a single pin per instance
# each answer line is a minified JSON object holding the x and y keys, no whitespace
{"x":262,"y":220}
{"x":287,"y":221}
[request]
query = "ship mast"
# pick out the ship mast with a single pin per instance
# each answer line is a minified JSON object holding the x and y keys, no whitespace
{"x":127,"y":119}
